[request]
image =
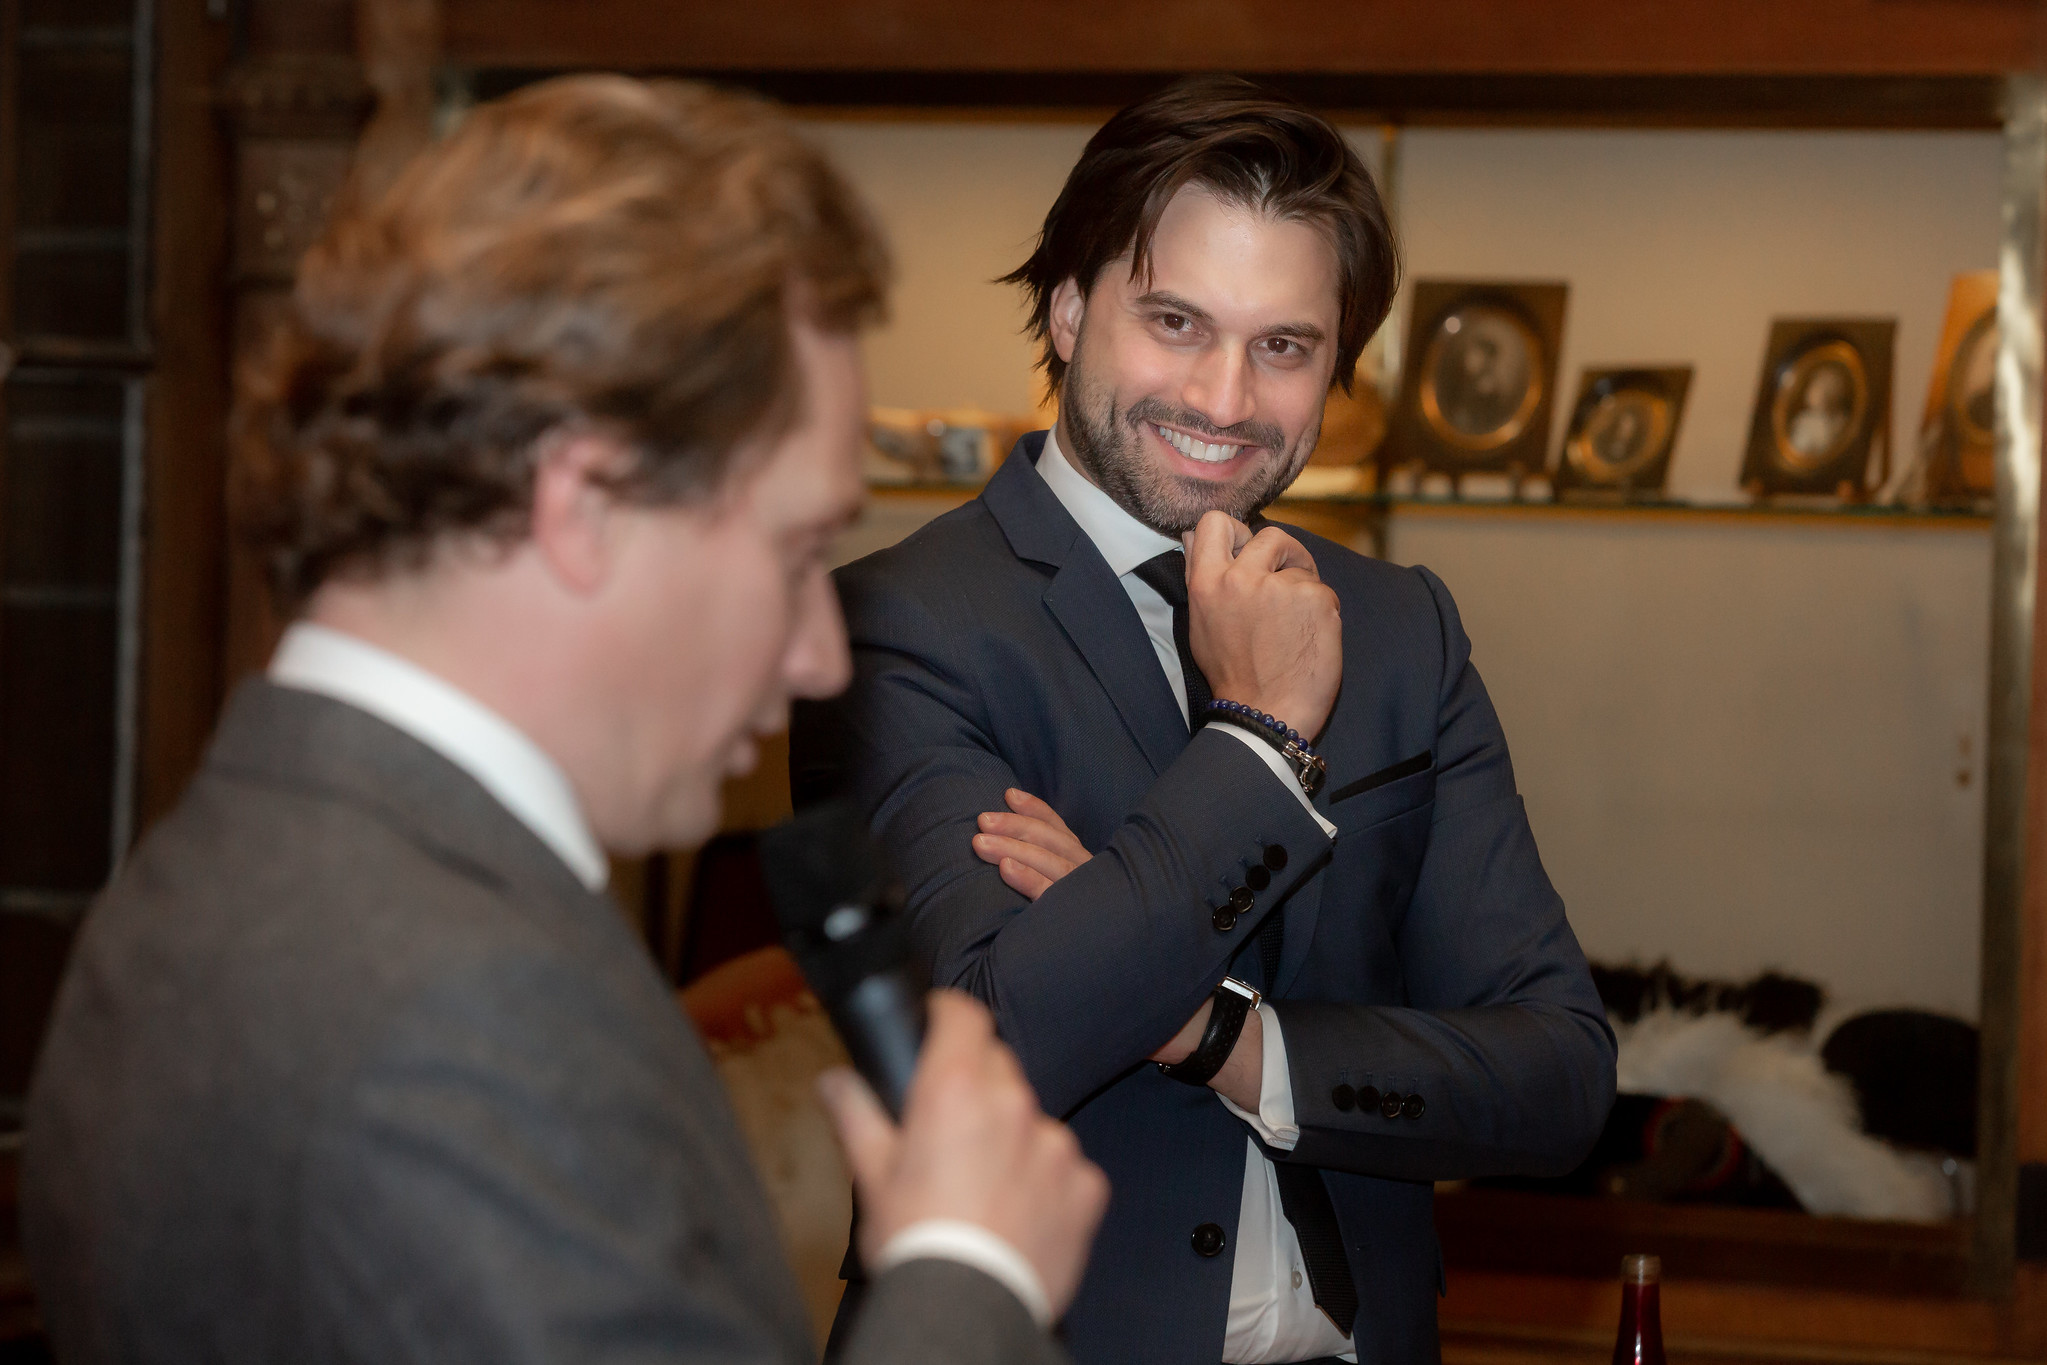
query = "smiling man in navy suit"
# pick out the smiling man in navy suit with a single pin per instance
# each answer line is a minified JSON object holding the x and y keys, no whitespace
{"x":1216,"y":815}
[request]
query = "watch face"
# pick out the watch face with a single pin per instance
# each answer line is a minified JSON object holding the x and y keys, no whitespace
{"x":1482,"y":377}
{"x":1821,"y":400}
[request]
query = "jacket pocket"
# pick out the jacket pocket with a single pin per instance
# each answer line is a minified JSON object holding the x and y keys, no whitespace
{"x":1384,"y":795}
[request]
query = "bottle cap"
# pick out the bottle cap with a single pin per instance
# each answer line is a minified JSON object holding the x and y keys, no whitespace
{"x":1641,"y":1269}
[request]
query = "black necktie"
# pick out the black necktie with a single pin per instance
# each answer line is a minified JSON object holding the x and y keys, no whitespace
{"x":1166,"y":575}
{"x":1302,"y":1195}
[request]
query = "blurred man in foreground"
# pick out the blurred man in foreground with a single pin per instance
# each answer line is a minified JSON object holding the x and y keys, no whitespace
{"x":354,"y":1060}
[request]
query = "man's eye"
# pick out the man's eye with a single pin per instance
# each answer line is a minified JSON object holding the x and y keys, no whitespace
{"x":1172,"y":322}
{"x":1281,"y":345}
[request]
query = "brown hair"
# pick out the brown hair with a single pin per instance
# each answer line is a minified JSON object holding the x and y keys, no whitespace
{"x":1251,"y":147}
{"x":591,"y":251}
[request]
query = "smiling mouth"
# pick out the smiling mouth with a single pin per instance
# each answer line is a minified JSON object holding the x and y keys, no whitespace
{"x":1194,"y":448}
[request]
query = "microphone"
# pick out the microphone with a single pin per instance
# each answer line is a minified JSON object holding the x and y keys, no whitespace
{"x":841,"y":916}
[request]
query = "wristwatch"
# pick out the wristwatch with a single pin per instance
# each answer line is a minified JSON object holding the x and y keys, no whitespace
{"x":1231,"y":1002}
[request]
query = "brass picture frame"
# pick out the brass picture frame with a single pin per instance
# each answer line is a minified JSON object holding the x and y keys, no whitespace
{"x":1822,"y":409}
{"x":1623,"y":428}
{"x":1481,"y":377}
{"x":1958,"y":435}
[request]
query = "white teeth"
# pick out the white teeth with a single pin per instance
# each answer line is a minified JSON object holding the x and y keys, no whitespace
{"x":1196,"y":450}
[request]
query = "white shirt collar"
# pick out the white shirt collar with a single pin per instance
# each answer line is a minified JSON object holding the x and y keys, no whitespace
{"x":461,"y":729}
{"x":1123,"y":540}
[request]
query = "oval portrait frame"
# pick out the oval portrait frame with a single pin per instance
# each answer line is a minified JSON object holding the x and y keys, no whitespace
{"x":1438,"y":423}
{"x":1610,"y":392}
{"x":1792,"y":376}
{"x":1983,"y":331}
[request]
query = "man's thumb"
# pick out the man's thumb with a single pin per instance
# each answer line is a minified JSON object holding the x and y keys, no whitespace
{"x":866,"y":1133}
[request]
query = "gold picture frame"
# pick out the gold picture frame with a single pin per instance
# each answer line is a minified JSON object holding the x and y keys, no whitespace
{"x":1822,"y":410}
{"x":1481,"y":377}
{"x":1958,"y":435}
{"x":1623,"y":428}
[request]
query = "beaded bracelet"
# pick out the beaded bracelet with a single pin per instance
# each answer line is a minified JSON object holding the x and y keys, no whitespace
{"x":1308,"y":765}
{"x":1272,"y":723}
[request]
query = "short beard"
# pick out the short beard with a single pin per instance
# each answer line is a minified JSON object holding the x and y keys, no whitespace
{"x":1107,"y":447}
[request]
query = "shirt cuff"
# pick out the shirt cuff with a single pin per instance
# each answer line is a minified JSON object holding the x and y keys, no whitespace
{"x":953,"y":1239}
{"x":1274,"y":1122}
{"x":1277,"y":762}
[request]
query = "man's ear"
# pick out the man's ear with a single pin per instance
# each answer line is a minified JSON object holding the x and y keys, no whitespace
{"x":1069,"y":306}
{"x":573,"y":527}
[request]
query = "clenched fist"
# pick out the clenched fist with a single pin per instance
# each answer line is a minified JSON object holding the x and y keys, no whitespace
{"x":1265,"y":629}
{"x":973,"y":1146}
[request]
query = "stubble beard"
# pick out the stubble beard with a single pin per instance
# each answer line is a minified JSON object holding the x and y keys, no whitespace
{"x":1107,"y":446}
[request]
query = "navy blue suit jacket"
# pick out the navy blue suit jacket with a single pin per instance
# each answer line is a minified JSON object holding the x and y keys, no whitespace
{"x":1426,"y":953}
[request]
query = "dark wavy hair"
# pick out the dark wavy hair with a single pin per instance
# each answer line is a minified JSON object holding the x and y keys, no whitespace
{"x":588,"y":253}
{"x":1248,"y":145}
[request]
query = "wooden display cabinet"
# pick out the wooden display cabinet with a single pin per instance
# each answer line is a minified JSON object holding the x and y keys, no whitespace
{"x":1528,"y":1280}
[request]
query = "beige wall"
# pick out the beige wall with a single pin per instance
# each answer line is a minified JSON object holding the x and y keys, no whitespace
{"x":962,"y":204}
{"x":1743,"y":744}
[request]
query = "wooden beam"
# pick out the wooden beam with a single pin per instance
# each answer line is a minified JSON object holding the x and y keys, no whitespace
{"x":185,"y":512}
{"x":1476,"y":37}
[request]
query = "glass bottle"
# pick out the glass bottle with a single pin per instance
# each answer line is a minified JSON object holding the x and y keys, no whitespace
{"x":1641,"y":1336}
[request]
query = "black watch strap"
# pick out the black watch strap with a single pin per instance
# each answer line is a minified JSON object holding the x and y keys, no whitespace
{"x":1232,"y":1001}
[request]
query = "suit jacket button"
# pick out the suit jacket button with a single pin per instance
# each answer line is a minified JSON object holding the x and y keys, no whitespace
{"x":1241,"y":900}
{"x":1225,"y":920}
{"x":1256,"y":877}
{"x":1344,"y":1098}
{"x":1389,"y":1105}
{"x":1208,"y":1240}
{"x":1275,"y":857}
{"x":1414,"y":1108}
{"x":1368,"y":1098}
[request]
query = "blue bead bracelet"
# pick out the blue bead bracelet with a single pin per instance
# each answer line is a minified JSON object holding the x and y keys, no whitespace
{"x":1239,"y":711}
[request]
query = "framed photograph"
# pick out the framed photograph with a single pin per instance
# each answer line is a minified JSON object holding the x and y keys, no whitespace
{"x":1623,"y":427}
{"x":1480,"y":379}
{"x":1958,"y":436}
{"x":1822,"y":409}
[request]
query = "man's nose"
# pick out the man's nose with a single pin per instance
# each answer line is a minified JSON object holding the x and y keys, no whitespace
{"x":819,"y":663}
{"x":1220,"y":388}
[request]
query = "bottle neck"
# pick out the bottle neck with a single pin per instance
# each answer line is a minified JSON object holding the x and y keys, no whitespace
{"x":1641,"y":1334}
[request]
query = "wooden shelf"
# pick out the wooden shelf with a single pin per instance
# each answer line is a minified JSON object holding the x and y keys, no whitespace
{"x":1475,"y":40}
{"x":1437,"y":100}
{"x":1503,"y":1230}
{"x":1866,"y":517}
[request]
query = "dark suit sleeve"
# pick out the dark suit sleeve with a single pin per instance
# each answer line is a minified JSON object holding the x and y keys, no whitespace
{"x":1503,"y":1038}
{"x":516,"y":1177}
{"x":1101,"y":970}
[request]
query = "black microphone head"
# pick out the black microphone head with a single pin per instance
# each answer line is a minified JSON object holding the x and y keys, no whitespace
{"x":840,"y":918}
{"x":817,"y":862}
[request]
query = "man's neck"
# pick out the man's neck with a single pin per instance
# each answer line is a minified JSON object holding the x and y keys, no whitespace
{"x":476,"y":630}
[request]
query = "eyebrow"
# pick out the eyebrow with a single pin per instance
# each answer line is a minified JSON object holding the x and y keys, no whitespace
{"x":1173,"y":303}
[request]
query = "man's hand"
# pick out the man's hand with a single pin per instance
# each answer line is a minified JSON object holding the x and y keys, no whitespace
{"x":1265,"y":629}
{"x":1032,"y":848}
{"x":973,"y":1146}
{"x":1028,"y":843}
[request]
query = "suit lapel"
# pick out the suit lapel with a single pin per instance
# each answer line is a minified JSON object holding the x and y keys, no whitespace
{"x":1090,"y":606}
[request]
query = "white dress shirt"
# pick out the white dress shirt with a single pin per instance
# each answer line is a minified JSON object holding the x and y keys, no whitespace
{"x":532,"y":786}
{"x":1273,"y":1316}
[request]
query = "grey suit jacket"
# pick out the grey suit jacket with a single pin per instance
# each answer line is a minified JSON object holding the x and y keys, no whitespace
{"x":1427,"y":957}
{"x":349,"y":1067}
